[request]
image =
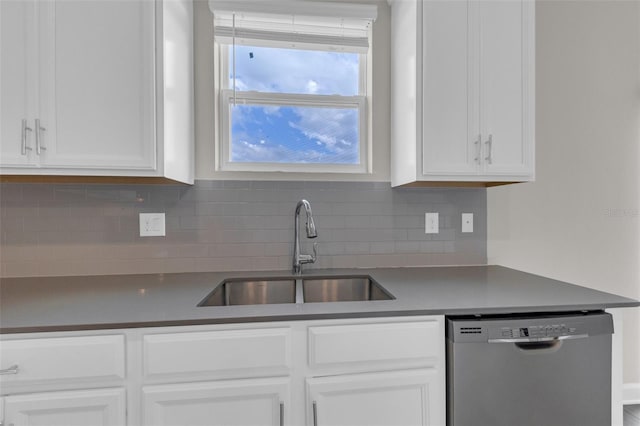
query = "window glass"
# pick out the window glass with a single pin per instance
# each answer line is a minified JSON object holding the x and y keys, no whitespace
{"x":294,"y":134}
{"x":313,"y":72}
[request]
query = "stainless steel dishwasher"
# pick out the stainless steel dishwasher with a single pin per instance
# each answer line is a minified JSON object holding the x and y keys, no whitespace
{"x":549,"y":370}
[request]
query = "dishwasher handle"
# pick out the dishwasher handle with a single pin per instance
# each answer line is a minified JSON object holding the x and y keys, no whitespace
{"x":539,"y":339}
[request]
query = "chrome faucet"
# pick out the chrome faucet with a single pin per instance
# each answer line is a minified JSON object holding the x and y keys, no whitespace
{"x":300,"y":259}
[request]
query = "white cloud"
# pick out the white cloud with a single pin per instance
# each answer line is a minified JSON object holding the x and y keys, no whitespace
{"x":312,"y":87}
{"x":335,"y":129}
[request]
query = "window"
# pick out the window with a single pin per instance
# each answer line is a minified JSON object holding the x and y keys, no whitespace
{"x":292,"y":87}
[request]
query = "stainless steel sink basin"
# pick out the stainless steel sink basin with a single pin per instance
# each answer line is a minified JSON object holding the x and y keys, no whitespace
{"x":343,"y":289}
{"x":256,"y":291}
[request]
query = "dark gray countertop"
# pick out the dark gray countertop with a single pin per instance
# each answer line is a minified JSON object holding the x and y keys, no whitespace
{"x":124,"y":301}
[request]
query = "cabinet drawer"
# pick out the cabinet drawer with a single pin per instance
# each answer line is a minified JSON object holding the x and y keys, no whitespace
{"x":63,"y":358}
{"x":377,"y":345}
{"x":225,"y":354}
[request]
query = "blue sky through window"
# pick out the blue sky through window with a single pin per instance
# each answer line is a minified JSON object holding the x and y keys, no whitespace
{"x":295,"y":134}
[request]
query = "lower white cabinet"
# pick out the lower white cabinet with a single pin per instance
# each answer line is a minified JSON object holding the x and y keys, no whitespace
{"x":399,"y":398}
{"x":365,"y":371}
{"x":226,"y":403}
{"x":96,"y":407}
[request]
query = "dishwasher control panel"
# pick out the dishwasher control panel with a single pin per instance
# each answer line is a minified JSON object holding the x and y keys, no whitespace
{"x":547,"y":330}
{"x":527,"y":328}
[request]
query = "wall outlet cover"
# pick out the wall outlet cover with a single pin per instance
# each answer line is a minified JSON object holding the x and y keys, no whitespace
{"x":152,"y":225}
{"x":431,"y":225}
{"x":467,"y":222}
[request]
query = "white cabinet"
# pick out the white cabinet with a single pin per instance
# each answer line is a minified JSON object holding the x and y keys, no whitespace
{"x":102,"y":407}
{"x":365,"y":371}
{"x":226,"y":403}
{"x":462,"y":92}
{"x":401,"y":398}
{"x":218,"y":354}
{"x":64,"y":380}
{"x":16,"y":76}
{"x":54,"y":360}
{"x":369,"y":371}
{"x":97,"y":88}
{"x":351,"y":378}
{"x":220,"y":376}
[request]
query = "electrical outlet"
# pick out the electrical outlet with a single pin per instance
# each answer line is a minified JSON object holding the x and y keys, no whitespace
{"x":152,"y":225}
{"x":431,"y":223}
{"x":467,"y":222}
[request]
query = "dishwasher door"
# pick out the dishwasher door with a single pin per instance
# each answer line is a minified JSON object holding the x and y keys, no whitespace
{"x":529,"y":371}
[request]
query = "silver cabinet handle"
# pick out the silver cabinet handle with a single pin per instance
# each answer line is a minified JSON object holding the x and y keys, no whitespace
{"x":477,"y":144}
{"x":39,"y":129}
{"x":281,"y":414}
{"x":24,"y":147}
{"x":14,"y":369}
{"x":489,"y":143}
{"x":315,"y":414}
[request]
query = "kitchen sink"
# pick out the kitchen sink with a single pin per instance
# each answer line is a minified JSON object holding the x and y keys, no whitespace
{"x":256,"y":291}
{"x":343,"y":289}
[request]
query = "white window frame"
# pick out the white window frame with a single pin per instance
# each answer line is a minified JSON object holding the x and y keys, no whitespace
{"x":226,"y":97}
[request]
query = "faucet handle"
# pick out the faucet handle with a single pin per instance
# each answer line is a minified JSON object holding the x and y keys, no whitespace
{"x":310,"y":258}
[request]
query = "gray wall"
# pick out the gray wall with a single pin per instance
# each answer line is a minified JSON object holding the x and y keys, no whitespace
{"x":230,"y":225}
{"x":580,"y":220}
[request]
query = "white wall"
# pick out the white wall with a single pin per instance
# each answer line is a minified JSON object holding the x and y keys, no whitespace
{"x":579,"y":221}
{"x":205,"y":110}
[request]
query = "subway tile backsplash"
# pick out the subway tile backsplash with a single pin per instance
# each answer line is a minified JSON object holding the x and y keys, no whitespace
{"x":92,"y":229}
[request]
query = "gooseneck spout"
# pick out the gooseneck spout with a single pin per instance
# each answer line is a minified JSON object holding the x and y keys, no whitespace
{"x":298,"y":258}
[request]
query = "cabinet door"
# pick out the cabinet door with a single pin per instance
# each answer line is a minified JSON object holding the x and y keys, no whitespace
{"x":450,"y":107}
{"x":17,"y":81}
{"x":102,"y":407}
{"x":506,"y":43}
{"x":97,"y":84}
{"x":402,"y":398}
{"x":226,"y":403}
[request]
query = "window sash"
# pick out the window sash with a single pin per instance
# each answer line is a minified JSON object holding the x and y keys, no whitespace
{"x":283,"y":99}
{"x":225,"y":60}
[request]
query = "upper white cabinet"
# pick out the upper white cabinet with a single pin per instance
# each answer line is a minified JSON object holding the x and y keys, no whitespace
{"x":462,"y":91}
{"x":100,"y":88}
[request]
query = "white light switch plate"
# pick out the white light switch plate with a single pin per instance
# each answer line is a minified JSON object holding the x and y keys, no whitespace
{"x":431,"y":225}
{"x":467,"y":222}
{"x":152,"y":225}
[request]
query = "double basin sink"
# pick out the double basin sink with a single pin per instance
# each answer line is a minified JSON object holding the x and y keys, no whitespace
{"x":258,"y":291}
